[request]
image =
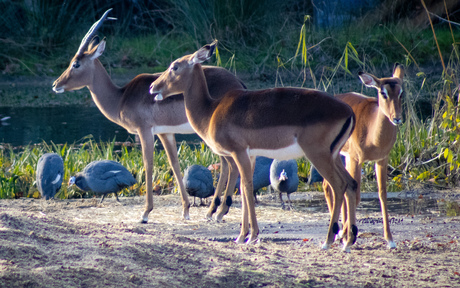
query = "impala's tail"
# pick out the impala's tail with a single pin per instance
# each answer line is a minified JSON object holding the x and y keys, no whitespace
{"x":343,"y":135}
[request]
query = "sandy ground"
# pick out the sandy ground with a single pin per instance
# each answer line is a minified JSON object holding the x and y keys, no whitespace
{"x":81,"y":243}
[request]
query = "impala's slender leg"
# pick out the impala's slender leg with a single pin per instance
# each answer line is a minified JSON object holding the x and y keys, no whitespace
{"x":351,"y":203}
{"x":231,"y":182}
{"x":147,"y":144}
{"x":221,"y":184}
{"x":242,"y":123}
{"x":340,"y":181}
{"x":381,"y":172}
{"x":245,"y":166}
{"x":244,"y":219}
{"x":354,"y":168}
{"x":169,"y":143}
{"x":329,"y":195}
{"x":330,"y":198}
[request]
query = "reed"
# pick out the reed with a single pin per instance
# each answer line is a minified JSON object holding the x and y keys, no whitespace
{"x":39,"y":36}
{"x":426,"y":152}
{"x":253,"y":39}
{"x":17,"y":165}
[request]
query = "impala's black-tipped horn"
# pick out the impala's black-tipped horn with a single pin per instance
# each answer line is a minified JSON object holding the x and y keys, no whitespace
{"x":92,"y":31}
{"x":212,"y":47}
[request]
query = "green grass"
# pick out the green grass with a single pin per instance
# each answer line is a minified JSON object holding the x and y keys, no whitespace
{"x":255,"y":40}
{"x":18,"y":165}
{"x":39,"y":37}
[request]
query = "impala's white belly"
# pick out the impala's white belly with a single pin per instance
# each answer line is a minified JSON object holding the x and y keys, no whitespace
{"x":293,"y":151}
{"x":185,"y":128}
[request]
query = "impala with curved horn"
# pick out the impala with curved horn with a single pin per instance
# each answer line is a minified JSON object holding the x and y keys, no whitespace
{"x":282,"y":123}
{"x":374,"y":135}
{"x":133,"y":108}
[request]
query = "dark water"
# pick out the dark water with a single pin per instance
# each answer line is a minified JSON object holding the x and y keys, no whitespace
{"x":67,"y":124}
{"x":61,"y":125}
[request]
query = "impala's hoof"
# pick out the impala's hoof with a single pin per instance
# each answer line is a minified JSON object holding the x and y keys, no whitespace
{"x":144,"y":220}
{"x":252,"y":241}
{"x":346,"y":248}
{"x":219,"y":217}
{"x":240,"y":240}
{"x":186,"y":216}
{"x":391,"y":245}
{"x":223,"y":211}
{"x":325,"y":246}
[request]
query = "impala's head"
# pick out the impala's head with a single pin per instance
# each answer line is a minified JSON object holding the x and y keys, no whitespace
{"x":390,"y":92}
{"x":80,"y":71}
{"x":177,"y":78}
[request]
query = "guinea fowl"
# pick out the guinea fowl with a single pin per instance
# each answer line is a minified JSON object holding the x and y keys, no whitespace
{"x":198,"y":182}
{"x":103,"y":177}
{"x":261,"y":176}
{"x":50,"y":172}
{"x":316,"y":177}
{"x":284,"y":178}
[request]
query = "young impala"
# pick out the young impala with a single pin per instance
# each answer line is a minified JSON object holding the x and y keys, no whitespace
{"x":282,"y":123}
{"x":133,"y":108}
{"x":374,"y":135}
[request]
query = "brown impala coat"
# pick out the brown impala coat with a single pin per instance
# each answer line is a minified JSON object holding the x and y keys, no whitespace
{"x":374,"y":134}
{"x":282,"y":123}
{"x":133,"y":108}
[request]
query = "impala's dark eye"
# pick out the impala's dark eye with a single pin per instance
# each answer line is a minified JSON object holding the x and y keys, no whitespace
{"x":384,"y":92}
{"x":174,"y":67}
{"x":75,"y":64}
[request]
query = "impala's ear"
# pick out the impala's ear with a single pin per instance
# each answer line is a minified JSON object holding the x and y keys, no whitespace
{"x":369,"y":80}
{"x":203,"y":54}
{"x":398,"y":71}
{"x":97,"y":51}
{"x":93,"y":43}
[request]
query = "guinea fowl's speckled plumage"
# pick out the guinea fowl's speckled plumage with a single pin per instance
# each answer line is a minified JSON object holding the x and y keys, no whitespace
{"x":50,"y":172}
{"x":261,"y":176}
{"x":288,"y":185}
{"x":103,"y":177}
{"x":198,"y":181}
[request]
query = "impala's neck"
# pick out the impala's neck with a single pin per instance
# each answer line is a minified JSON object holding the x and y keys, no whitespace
{"x":383,"y":131}
{"x":105,"y":93}
{"x":199,"y":105}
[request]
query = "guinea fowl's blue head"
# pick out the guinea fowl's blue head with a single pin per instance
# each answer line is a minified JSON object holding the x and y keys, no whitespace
{"x":72,"y":180}
{"x":283,"y":176}
{"x":79,"y":181}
